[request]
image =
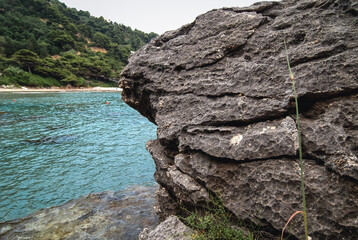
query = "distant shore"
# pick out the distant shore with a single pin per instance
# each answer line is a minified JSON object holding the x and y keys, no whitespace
{"x":53,"y":89}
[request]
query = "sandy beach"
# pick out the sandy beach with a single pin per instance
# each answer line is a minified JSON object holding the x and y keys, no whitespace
{"x":93,"y":89}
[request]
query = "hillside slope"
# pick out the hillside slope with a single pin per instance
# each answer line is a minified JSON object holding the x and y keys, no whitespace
{"x":61,"y":45}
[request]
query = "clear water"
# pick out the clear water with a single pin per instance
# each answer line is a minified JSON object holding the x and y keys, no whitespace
{"x":59,"y":146}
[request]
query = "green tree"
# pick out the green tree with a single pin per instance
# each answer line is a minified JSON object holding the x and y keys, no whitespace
{"x":49,"y":27}
{"x":123,"y":52}
{"x":102,"y":40}
{"x":63,"y":41}
{"x":85,"y":30}
{"x":32,"y":44}
{"x":72,"y":29}
{"x":42,"y":49}
{"x":26,"y":58}
{"x":11,"y":46}
{"x":2,"y":44}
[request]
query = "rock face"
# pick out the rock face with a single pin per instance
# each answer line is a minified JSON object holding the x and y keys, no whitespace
{"x":219,"y":91}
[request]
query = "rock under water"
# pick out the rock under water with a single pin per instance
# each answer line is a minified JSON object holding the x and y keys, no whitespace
{"x":219,"y":91}
{"x":107,"y":215}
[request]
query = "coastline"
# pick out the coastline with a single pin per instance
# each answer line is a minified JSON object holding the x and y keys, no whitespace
{"x":91,"y":89}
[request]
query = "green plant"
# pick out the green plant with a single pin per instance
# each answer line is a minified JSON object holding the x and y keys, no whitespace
{"x":304,"y":212}
{"x":18,"y":77}
{"x":52,"y":40}
{"x":12,"y":71}
{"x":214,"y":223}
{"x":6,"y":81}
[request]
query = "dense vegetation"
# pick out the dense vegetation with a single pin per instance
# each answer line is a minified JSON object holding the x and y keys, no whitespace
{"x":45,"y":43}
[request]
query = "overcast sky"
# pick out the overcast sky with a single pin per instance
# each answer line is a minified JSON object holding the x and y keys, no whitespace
{"x":152,"y":15}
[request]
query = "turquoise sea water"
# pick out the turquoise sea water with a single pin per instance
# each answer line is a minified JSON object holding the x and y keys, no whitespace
{"x":59,"y":146}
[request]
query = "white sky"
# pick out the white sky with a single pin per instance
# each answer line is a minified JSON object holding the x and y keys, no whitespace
{"x":152,"y":15}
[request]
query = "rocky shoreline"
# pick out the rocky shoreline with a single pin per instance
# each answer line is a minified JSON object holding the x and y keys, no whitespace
{"x":108,"y":215}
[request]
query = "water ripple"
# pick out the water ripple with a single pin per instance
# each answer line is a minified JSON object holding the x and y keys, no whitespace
{"x":56,"y":147}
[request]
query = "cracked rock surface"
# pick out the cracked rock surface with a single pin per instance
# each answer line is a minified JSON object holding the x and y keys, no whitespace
{"x":219,"y":91}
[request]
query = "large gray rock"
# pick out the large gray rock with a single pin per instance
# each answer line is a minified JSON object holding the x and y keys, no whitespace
{"x":219,"y":91}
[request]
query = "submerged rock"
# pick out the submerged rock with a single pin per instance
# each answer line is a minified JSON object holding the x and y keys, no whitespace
{"x":108,"y":215}
{"x":219,"y":91}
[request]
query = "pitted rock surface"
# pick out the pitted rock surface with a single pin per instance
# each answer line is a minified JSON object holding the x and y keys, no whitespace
{"x":219,"y":91}
{"x":270,"y":189}
{"x":256,"y":141}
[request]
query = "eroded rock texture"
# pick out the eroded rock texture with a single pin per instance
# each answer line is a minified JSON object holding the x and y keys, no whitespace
{"x":218,"y":89}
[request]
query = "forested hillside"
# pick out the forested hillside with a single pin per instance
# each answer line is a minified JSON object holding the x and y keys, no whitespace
{"x":45,"y":43}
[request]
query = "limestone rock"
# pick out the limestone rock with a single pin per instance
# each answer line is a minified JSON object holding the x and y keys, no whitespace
{"x":255,"y":141}
{"x":170,"y":229}
{"x":268,"y":192}
{"x":166,"y":204}
{"x":219,"y":91}
{"x":180,"y":183}
{"x":330,"y":133}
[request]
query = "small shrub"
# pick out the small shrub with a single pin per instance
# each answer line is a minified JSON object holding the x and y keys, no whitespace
{"x":95,"y":83}
{"x":49,"y":82}
{"x":18,"y":77}
{"x":214,"y":224}
{"x":12,"y":71}
{"x":6,"y":81}
{"x":81,"y":82}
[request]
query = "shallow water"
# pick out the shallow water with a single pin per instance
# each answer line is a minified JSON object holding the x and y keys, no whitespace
{"x":55,"y":147}
{"x":108,"y":215}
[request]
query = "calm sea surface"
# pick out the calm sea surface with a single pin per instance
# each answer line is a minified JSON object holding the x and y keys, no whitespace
{"x":59,"y":146}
